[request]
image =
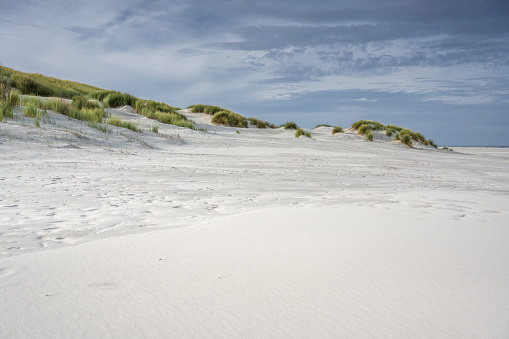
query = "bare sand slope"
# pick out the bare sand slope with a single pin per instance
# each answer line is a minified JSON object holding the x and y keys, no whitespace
{"x":187,"y":233}
{"x":289,"y":272}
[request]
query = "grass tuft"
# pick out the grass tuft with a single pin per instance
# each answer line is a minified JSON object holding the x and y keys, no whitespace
{"x":322,"y":125}
{"x":155,"y":129}
{"x":374,"y":125}
{"x":115,"y":121}
{"x":13,"y":98}
{"x":81,"y":101}
{"x":259,"y":123}
{"x":163,"y":112}
{"x":407,"y":139}
{"x":290,"y":125}
{"x":31,"y":111}
{"x":6,"y":111}
{"x":7,"y":103}
{"x":300,"y":132}
{"x":337,"y":129}
{"x":117,"y":99}
{"x":228,"y":118}
{"x":207,"y":109}
{"x":369,"y":136}
{"x":364,"y":128}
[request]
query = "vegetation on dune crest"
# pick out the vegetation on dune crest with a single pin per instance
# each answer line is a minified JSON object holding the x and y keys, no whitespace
{"x":406,"y":136}
{"x":290,"y":125}
{"x":207,"y":109}
{"x":260,"y":123}
{"x":85,"y":99}
{"x":40,"y":85}
{"x":322,"y":125}
{"x":300,"y":132}
{"x":337,"y":129}
{"x":228,"y":118}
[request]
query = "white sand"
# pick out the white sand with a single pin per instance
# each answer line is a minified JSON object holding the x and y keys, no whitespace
{"x":257,"y":234}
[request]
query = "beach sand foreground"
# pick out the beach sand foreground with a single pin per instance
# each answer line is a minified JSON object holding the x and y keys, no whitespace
{"x":253,"y":234}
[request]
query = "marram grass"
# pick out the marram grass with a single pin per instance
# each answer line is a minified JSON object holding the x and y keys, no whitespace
{"x":228,"y":118}
{"x":337,"y":129}
{"x":115,"y":121}
{"x":299,"y":132}
{"x":290,"y":125}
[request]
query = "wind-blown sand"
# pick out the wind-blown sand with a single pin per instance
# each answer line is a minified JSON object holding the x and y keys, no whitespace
{"x":250,"y":234}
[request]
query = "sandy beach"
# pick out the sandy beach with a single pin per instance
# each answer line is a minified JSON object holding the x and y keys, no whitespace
{"x":247,"y":233}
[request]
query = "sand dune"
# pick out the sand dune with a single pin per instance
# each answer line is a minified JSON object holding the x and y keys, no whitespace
{"x":187,"y":233}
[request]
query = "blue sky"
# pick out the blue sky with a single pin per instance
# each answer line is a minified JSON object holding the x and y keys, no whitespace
{"x":437,"y":67}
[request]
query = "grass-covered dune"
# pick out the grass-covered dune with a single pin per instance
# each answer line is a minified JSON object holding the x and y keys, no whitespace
{"x":87,"y":101}
{"x":406,"y":136}
{"x":41,"y":85}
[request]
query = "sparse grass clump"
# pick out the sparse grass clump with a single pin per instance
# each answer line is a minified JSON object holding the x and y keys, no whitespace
{"x":322,"y":125}
{"x":155,"y":129}
{"x":172,"y":118}
{"x":6,"y":111}
{"x":228,"y":118}
{"x":117,"y":99}
{"x":99,"y":127}
{"x":403,"y":134}
{"x":81,"y":101}
{"x":31,"y":111}
{"x":290,"y":125}
{"x":7,"y":103}
{"x":394,"y":128}
{"x":207,"y":109}
{"x":364,"y":128}
{"x":374,"y":125}
{"x":13,"y":98}
{"x":369,"y":136}
{"x":90,"y":114}
{"x":337,"y":129}
{"x":36,"y":123}
{"x":66,"y":108}
{"x":115,"y":121}
{"x":154,"y":106}
{"x":300,"y":132}
{"x":163,"y":112}
{"x":223,"y":116}
{"x":260,"y":123}
{"x":407,"y":139}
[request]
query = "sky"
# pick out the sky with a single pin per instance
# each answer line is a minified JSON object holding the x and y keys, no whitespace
{"x":437,"y":67}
